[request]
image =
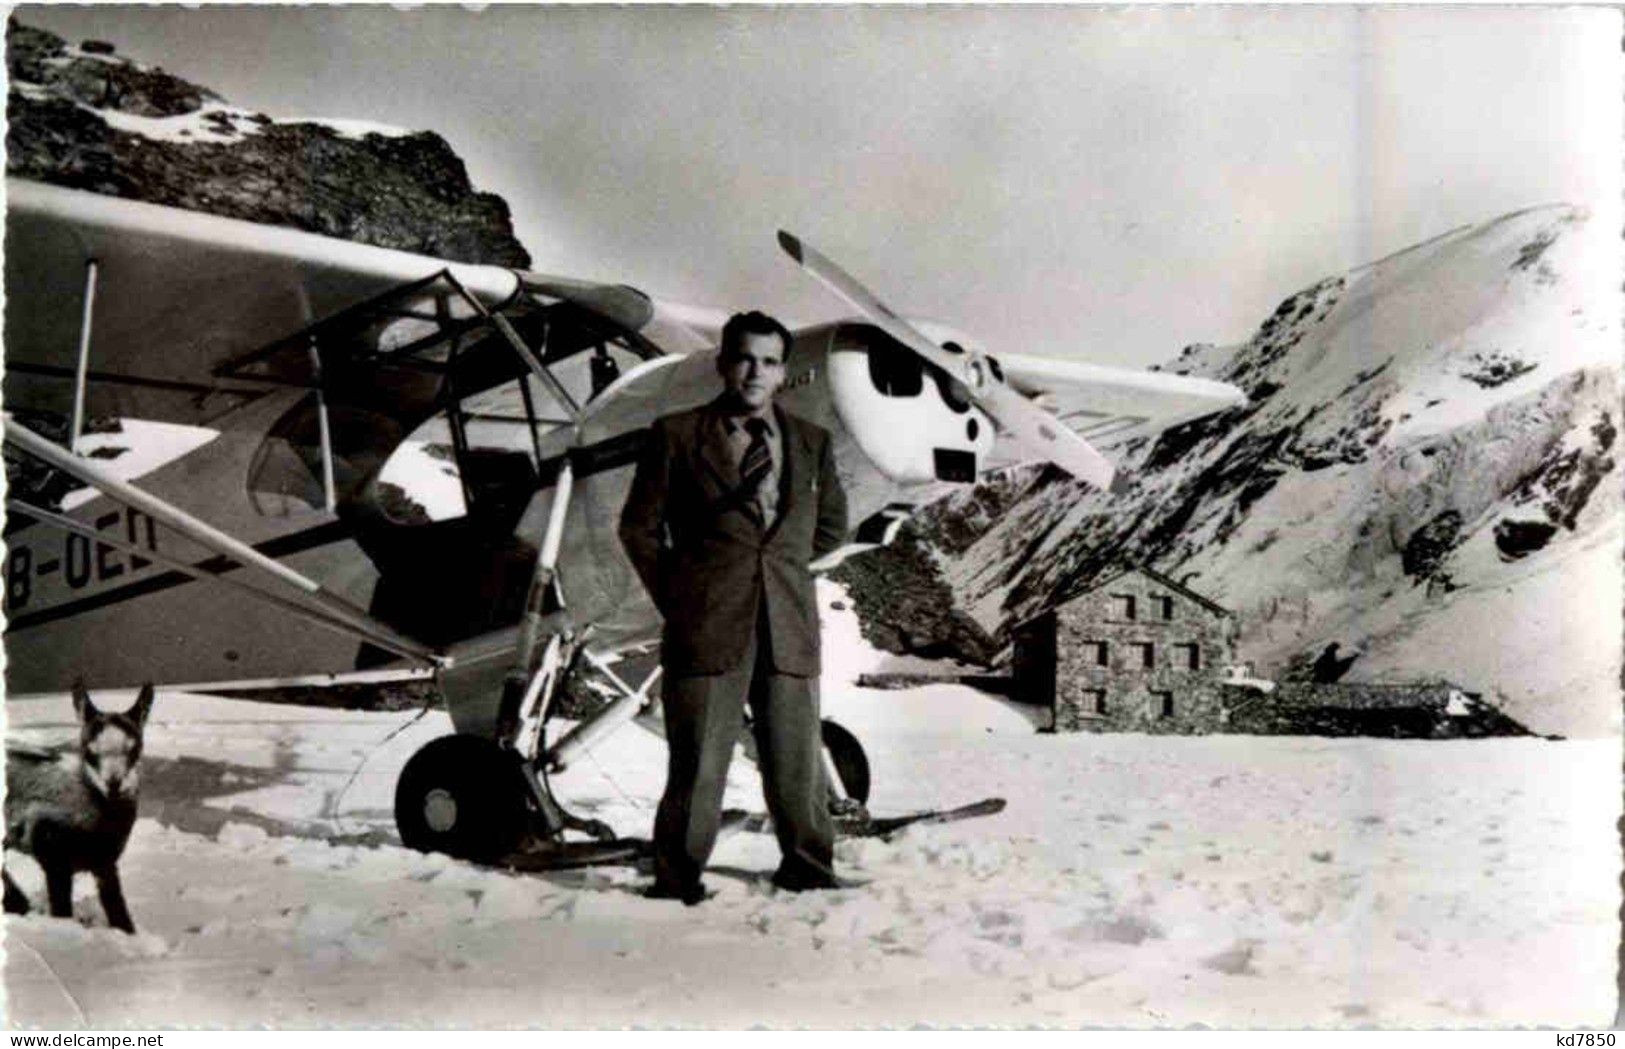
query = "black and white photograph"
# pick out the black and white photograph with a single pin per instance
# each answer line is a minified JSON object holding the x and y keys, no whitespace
{"x":836,"y":517}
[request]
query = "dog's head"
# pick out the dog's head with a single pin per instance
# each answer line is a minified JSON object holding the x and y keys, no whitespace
{"x":110,"y":744}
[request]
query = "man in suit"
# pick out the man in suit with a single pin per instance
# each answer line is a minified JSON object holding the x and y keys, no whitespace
{"x":730,"y":503}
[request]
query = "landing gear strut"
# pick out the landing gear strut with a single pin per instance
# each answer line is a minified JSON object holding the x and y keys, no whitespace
{"x":487,"y":797}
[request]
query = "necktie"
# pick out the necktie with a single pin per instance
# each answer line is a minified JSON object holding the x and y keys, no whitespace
{"x":757,"y":463}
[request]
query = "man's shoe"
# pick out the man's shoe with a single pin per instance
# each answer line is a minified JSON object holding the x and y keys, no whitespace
{"x":691,"y":895}
{"x":804,"y":883}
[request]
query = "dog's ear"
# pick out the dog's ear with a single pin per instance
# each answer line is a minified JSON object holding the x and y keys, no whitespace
{"x":82,"y":706}
{"x":143,"y":705}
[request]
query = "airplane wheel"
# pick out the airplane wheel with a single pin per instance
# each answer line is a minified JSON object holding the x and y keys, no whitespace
{"x":461,"y":795}
{"x":851,"y":765}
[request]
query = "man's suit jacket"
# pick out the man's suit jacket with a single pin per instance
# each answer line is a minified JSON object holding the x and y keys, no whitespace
{"x":709,"y":564}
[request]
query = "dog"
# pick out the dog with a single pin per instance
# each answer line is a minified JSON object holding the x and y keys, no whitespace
{"x":74,"y":811}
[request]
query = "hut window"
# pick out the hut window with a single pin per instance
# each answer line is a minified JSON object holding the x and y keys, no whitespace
{"x":1193,"y":655}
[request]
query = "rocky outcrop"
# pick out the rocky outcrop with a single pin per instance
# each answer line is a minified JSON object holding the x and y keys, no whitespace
{"x":905,"y":607}
{"x":89,"y":119}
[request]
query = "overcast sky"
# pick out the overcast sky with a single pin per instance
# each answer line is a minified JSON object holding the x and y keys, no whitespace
{"x":1105,"y":183}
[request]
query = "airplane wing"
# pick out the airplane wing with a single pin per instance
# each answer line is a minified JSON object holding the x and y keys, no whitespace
{"x":1111,"y":406}
{"x":172,"y":294}
{"x":151,"y":301}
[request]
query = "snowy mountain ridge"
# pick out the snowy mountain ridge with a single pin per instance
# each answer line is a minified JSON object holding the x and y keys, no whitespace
{"x":1425,"y":473}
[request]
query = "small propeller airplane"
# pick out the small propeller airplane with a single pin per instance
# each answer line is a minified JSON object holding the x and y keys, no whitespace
{"x":386,"y":466}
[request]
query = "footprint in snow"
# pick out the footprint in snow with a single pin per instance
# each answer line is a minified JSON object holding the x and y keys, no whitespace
{"x":1236,"y":960}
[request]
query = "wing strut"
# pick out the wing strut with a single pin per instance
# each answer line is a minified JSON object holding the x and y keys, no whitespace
{"x":81,"y":372}
{"x":331,"y":605}
{"x":526,"y":354}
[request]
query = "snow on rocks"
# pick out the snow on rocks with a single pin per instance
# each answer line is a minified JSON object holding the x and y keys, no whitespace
{"x":212,"y":124}
{"x":1426,"y":472}
{"x":348,"y":128}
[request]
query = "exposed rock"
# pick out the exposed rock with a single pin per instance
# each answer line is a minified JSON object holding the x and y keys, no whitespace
{"x":1495,"y":369}
{"x":1518,"y":539}
{"x":400,"y":507}
{"x":905,"y":607}
{"x":1429,"y":545}
{"x":70,"y":114}
{"x":28,"y":49}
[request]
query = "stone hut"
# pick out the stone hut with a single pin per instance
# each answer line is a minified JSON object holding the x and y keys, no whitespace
{"x":1136,"y":652}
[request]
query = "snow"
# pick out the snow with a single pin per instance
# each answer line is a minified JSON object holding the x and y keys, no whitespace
{"x":143,"y":446}
{"x":432,"y":483}
{"x":348,"y":128}
{"x":204,"y":125}
{"x":1555,"y":607}
{"x":215,"y":123}
{"x":1133,"y":881}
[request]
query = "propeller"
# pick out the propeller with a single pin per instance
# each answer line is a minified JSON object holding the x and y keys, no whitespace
{"x":1033,"y":427}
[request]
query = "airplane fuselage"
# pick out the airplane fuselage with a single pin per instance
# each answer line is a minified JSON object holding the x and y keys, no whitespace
{"x":77,"y":607}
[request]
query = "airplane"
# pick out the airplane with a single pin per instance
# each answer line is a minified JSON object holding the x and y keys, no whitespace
{"x":384,"y":466}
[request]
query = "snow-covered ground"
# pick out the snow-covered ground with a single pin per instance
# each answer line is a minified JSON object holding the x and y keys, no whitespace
{"x":1132,"y":881}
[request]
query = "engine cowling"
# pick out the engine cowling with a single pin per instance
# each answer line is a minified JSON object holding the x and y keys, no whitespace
{"x":882,"y":391}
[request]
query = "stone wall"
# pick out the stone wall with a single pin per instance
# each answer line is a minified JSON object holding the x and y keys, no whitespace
{"x":1351,"y":695}
{"x":1420,"y":710}
{"x":1088,"y":662}
{"x":1193,"y":706}
{"x":1134,"y":655}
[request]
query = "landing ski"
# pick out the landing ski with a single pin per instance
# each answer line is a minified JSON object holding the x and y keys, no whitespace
{"x":879,"y":827}
{"x":863,"y":825}
{"x":555,"y":856}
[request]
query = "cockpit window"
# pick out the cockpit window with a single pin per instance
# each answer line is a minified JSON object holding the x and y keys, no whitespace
{"x":895,"y":370}
{"x":484,"y":450}
{"x":430,"y":416}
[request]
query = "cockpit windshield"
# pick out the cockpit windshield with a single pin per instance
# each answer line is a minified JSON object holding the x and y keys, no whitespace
{"x":421,"y":409}
{"x":492,"y":438}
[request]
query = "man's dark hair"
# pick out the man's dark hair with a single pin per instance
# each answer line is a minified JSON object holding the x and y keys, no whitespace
{"x":753,"y":323}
